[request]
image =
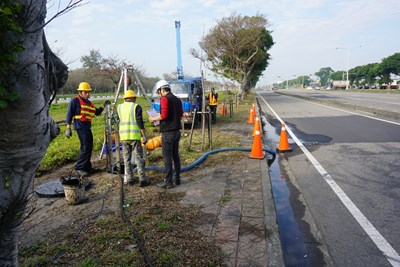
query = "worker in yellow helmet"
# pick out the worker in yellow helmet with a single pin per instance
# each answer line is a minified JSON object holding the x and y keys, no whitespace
{"x":131,"y":132}
{"x":80,"y":112}
{"x":212,"y":103}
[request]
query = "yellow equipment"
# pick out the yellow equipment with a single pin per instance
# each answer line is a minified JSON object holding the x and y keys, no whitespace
{"x":153,"y":143}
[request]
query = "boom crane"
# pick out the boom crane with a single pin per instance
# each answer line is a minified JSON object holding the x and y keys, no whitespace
{"x":188,"y":90}
{"x":178,"y":49}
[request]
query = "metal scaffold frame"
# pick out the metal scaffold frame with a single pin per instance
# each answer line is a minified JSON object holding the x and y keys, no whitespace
{"x":111,"y":122}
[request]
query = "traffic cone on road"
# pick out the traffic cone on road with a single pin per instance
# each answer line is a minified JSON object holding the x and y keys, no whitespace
{"x":256,"y":149}
{"x":257,"y":126}
{"x":251,"y":117}
{"x":283,"y":141}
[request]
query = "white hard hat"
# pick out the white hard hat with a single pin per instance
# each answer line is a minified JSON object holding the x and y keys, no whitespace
{"x":162,"y":83}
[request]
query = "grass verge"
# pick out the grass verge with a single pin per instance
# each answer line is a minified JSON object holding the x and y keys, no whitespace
{"x":168,"y":228}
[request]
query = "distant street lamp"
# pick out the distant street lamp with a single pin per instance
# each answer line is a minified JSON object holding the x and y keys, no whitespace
{"x":347,"y":62}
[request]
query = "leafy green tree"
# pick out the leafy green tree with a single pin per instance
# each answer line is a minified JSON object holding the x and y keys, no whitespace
{"x":391,"y":64}
{"x":237,"y":48}
{"x":365,"y":74}
{"x":356,"y":75}
{"x":372,"y":73}
{"x":324,"y":75}
{"x":338,"y":75}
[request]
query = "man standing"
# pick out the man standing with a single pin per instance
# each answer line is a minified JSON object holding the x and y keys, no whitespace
{"x":170,"y":116}
{"x":131,"y":130}
{"x":81,"y":111}
{"x":213,"y":102}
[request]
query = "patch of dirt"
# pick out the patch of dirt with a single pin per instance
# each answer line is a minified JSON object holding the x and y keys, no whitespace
{"x":58,"y":234}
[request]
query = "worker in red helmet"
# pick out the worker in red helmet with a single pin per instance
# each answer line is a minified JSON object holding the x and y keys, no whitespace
{"x":80,"y":113}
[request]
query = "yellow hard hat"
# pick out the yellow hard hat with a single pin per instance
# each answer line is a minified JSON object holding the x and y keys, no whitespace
{"x":84,"y":86}
{"x":129,"y":94}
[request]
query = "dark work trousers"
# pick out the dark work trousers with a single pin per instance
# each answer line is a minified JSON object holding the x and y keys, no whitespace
{"x":170,"y":152}
{"x":213,"y":109}
{"x":86,"y":139}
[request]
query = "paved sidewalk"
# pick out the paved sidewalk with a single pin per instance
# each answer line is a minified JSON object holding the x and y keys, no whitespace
{"x":240,"y":212}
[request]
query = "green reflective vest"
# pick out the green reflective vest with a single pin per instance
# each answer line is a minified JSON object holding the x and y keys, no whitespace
{"x":128,"y":127}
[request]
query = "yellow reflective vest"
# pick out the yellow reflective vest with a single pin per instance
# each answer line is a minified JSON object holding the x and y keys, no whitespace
{"x":128,"y":127}
{"x":212,"y":101}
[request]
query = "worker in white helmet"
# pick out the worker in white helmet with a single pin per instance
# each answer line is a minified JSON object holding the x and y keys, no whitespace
{"x":170,"y":116}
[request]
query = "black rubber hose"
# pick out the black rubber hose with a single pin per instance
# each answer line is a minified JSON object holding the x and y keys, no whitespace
{"x":205,"y":155}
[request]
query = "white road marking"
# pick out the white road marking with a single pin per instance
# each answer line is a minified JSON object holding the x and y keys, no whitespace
{"x":350,"y":112}
{"x":391,"y":255}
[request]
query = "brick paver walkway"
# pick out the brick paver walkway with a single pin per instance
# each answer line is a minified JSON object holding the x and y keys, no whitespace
{"x":241,"y":218}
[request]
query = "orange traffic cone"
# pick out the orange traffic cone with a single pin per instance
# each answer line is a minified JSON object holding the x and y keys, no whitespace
{"x":283,"y":142}
{"x":251,"y":117}
{"x":253,"y":107}
{"x":256,"y":149}
{"x":223,"y":111}
{"x":257,"y":126}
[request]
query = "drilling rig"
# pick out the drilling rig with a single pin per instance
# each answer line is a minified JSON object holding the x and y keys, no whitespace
{"x":188,"y":90}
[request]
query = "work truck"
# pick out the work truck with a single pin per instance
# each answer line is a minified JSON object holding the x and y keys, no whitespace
{"x":189,"y":91}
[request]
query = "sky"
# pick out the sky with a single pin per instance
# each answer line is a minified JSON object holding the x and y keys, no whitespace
{"x":308,"y":34}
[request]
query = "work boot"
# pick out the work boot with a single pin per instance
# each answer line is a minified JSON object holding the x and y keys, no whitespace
{"x":178,"y":181}
{"x":165,"y":185}
{"x":144,"y":183}
{"x":95,"y":170}
{"x":128,"y":180}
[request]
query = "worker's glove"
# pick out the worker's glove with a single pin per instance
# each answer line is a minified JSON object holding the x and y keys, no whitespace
{"x":68,"y":132}
{"x":144,"y":140}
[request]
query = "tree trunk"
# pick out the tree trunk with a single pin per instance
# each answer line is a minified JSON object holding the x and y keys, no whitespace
{"x":26,"y":127}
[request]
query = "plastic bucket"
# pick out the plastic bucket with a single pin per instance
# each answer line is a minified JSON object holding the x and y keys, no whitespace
{"x":74,"y":194}
{"x":74,"y":190}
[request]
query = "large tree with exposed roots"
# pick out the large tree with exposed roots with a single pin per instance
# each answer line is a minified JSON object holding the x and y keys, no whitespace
{"x":30,"y":75}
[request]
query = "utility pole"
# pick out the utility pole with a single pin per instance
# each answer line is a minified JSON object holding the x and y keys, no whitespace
{"x":347,"y":62}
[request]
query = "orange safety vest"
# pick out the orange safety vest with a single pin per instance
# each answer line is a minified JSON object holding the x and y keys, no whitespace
{"x":212,"y":101}
{"x":87,"y":111}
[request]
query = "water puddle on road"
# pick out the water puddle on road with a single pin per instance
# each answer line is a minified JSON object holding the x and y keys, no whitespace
{"x":292,"y":240}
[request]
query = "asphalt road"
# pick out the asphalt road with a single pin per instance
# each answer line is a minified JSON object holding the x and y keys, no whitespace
{"x":346,"y":168}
